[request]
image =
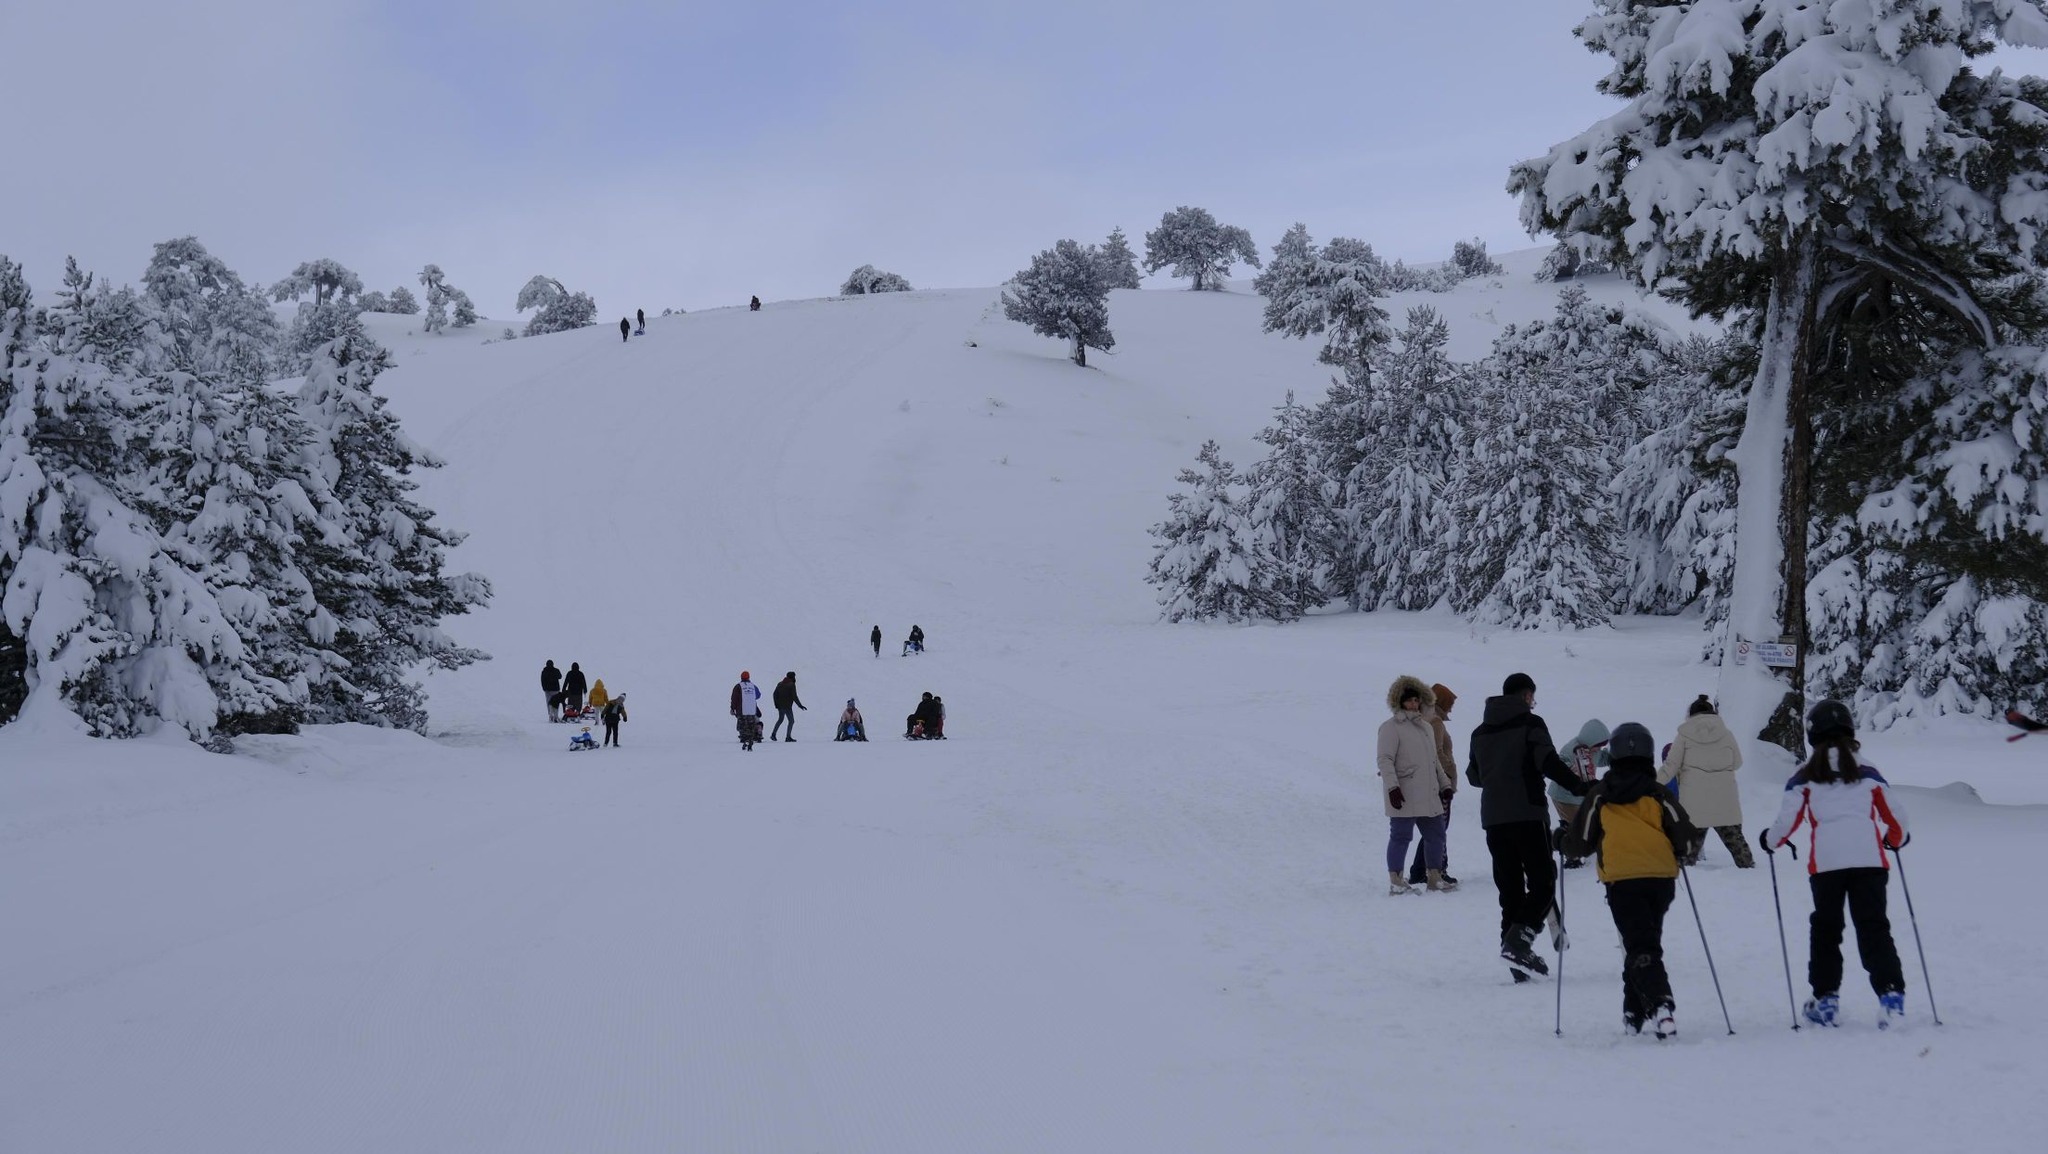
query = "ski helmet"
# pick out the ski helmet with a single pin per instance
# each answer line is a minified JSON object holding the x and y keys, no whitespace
{"x":1631,"y":739}
{"x":1829,"y":719}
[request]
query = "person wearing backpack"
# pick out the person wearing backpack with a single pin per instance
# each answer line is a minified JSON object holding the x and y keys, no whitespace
{"x":1637,"y":831}
{"x":614,"y":713}
{"x":1852,"y":821}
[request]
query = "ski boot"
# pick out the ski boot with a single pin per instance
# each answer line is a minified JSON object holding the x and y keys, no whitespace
{"x":1821,"y":1010}
{"x":1515,"y":949}
{"x":1894,"y":1005}
{"x":1664,"y":1022}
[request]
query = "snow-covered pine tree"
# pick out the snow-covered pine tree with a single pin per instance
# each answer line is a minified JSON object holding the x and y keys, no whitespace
{"x":1469,"y":258}
{"x":1284,"y":283}
{"x":1064,"y":294}
{"x":1197,"y":247}
{"x":1536,"y":550}
{"x":1340,"y":433}
{"x":327,"y":279}
{"x":1120,"y":263}
{"x":1802,"y":166}
{"x":868,"y":279}
{"x":373,"y":302}
{"x":557,"y":309}
{"x":1209,"y":561}
{"x":377,"y":572}
{"x":212,"y":323}
{"x":114,"y":627}
{"x":402,"y":302}
{"x":1334,"y":293}
{"x":1400,"y":482}
{"x":1288,"y":509}
{"x":464,"y":312}
{"x":441,"y":297}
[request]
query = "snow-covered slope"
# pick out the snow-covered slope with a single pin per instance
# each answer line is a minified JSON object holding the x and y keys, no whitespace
{"x":1136,"y":902}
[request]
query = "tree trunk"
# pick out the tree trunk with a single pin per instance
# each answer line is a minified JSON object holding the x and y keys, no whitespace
{"x":13,"y":674}
{"x":1080,"y":353}
{"x":1768,"y":597}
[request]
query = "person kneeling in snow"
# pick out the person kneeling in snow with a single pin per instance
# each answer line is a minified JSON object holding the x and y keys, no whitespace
{"x":1637,"y":830}
{"x":851,"y":727}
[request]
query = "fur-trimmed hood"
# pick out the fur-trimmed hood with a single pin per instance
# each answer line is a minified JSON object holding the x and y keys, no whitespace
{"x":1402,"y":685}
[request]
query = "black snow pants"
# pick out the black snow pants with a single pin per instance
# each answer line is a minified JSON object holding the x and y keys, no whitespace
{"x":1522,"y":872}
{"x":1864,"y":890}
{"x":611,"y":731}
{"x":1638,"y":906}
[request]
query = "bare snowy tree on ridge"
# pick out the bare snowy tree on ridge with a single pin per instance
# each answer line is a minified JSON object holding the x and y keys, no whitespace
{"x":1802,"y":167}
{"x":1120,"y":262}
{"x":868,"y":279}
{"x":1197,"y":247}
{"x":559,"y":310}
{"x":1064,"y":294}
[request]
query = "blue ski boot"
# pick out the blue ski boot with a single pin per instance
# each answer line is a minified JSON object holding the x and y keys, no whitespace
{"x":1821,"y":1010}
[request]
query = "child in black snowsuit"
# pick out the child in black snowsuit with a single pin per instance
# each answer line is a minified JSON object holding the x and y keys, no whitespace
{"x":614,"y":713}
{"x":875,"y":639}
{"x":625,"y":328}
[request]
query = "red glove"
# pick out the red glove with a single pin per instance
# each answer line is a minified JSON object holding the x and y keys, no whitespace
{"x":1394,"y":795}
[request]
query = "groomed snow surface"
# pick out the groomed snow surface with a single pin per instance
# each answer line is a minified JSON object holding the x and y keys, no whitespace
{"x":1137,"y":902}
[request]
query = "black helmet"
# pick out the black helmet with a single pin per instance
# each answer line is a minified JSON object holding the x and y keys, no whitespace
{"x":1630,"y":739}
{"x":1829,"y":719}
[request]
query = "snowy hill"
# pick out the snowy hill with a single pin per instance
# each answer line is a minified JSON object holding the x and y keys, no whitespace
{"x":1137,"y":902}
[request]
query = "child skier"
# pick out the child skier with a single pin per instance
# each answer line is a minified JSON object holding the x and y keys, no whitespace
{"x":1852,"y":821}
{"x":1638,"y":832}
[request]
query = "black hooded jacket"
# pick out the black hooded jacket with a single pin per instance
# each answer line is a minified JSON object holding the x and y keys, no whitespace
{"x":550,"y":678}
{"x":785,"y":694}
{"x":1510,"y":755}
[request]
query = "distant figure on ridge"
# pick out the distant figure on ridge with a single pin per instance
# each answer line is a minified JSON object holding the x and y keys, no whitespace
{"x":875,"y":639}
{"x":754,"y":305}
{"x":640,"y":321}
{"x":625,"y":328}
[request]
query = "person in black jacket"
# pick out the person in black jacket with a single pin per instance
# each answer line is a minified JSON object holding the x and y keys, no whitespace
{"x":925,"y":711}
{"x":550,"y":687}
{"x":640,"y":319}
{"x":875,"y":639}
{"x":575,"y":686}
{"x":625,"y":328}
{"x":1510,"y":755}
{"x":614,"y":713}
{"x":785,"y":697}
{"x":754,"y":305}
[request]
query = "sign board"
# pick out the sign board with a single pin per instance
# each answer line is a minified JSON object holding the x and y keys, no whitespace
{"x":1741,"y":652}
{"x":1777,"y":654}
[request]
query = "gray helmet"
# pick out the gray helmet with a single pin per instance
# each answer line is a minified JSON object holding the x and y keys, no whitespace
{"x":1830,"y":719}
{"x":1631,"y":739}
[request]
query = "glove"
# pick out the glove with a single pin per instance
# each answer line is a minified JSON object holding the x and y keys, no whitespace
{"x":1557,"y":839}
{"x":1444,"y":795}
{"x":1763,"y":840}
{"x":1581,"y":788}
{"x":1394,"y":795}
{"x":1904,"y":842}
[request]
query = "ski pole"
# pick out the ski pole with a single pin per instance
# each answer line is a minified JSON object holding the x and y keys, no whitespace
{"x":1687,"y":875}
{"x":1558,"y":1029}
{"x":1791,"y":1000}
{"x":1899,"y":854}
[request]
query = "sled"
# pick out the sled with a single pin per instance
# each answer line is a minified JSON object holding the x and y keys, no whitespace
{"x":2025,"y":724}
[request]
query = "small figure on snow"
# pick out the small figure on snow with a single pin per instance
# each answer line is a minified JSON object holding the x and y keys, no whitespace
{"x":926,"y":721}
{"x":551,"y":689}
{"x":785,"y":697}
{"x":851,"y":727}
{"x":875,"y":639}
{"x":582,"y":741}
{"x":1700,"y":767}
{"x":614,"y":713}
{"x":575,"y":686}
{"x":1414,"y":785}
{"x":1637,"y":831}
{"x":598,"y":696}
{"x":1853,"y":821}
{"x":639,"y":322}
{"x":625,"y":328}
{"x":915,"y":642}
{"x":746,"y":708}
{"x":754,"y":305}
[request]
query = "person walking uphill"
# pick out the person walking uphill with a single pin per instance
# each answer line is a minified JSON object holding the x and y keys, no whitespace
{"x":1412,"y":782}
{"x":550,"y":685}
{"x":1852,"y":820}
{"x":785,"y":697}
{"x":625,"y":328}
{"x":575,"y":686}
{"x":1510,"y":755}
{"x":1701,"y":767}
{"x":1637,"y":830}
{"x":875,"y":639}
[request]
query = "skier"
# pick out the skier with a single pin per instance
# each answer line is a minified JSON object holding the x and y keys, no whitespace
{"x":575,"y":686}
{"x":754,"y":305}
{"x":851,"y":727}
{"x":1587,"y":755}
{"x":1853,"y":821}
{"x":1700,"y":765}
{"x":551,"y":689}
{"x":640,"y":322}
{"x":614,"y":713}
{"x":1510,"y":754}
{"x":746,"y":707}
{"x":785,"y":696}
{"x":1438,"y":715}
{"x":1414,"y":785}
{"x":1637,"y":829}
{"x":875,"y":639}
{"x":625,"y":328}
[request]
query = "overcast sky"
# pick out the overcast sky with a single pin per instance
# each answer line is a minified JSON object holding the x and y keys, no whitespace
{"x":690,"y":154}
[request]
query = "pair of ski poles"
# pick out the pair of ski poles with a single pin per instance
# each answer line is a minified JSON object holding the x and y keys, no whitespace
{"x":1791,"y":999}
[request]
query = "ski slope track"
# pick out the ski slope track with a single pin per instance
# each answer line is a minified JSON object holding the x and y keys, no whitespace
{"x":1137,"y":902}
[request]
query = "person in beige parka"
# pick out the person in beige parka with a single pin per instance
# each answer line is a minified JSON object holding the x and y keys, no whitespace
{"x":1413,"y":783}
{"x":1700,"y":764}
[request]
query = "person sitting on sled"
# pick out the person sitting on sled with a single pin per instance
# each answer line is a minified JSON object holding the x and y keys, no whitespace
{"x":915,"y":643}
{"x":851,"y":727}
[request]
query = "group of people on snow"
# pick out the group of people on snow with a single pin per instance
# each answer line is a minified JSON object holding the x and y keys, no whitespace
{"x":565,"y":695}
{"x":1643,"y":819}
{"x":928,"y":720}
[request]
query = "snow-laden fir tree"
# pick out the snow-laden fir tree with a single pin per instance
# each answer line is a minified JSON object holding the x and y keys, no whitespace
{"x":212,"y":323}
{"x":402,"y":302}
{"x":373,"y":302}
{"x":1194,"y":245}
{"x":114,"y":627}
{"x":869,"y":279}
{"x":440,"y":295}
{"x":1284,"y":285}
{"x":1064,"y":294}
{"x":1407,"y":529}
{"x":1536,"y":542}
{"x":1210,"y":562}
{"x":557,"y":310}
{"x":1469,"y":258}
{"x":1565,"y":262}
{"x":327,"y":279}
{"x":1288,"y":508}
{"x":335,"y":304}
{"x":380,"y":580}
{"x":1340,"y":433}
{"x":1803,"y":166}
{"x":1119,"y":262}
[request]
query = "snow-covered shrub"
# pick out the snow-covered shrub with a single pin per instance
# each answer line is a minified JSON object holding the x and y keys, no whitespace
{"x":557,"y":309}
{"x":869,"y":279}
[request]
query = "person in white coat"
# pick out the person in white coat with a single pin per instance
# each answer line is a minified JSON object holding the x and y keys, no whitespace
{"x":1413,"y":784}
{"x":1700,"y":766}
